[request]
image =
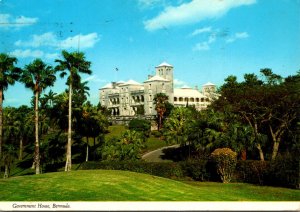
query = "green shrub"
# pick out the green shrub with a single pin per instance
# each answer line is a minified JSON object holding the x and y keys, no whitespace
{"x":284,"y":171}
{"x":140,"y":125}
{"x":156,"y":134}
{"x":252,"y":171}
{"x":196,"y":171}
{"x":225,"y":161}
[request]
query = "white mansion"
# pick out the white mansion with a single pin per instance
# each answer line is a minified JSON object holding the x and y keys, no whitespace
{"x":127,"y":98}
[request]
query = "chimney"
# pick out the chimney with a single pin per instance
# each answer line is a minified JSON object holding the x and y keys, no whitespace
{"x":149,"y":76}
{"x":114,"y":84}
{"x":196,"y":87}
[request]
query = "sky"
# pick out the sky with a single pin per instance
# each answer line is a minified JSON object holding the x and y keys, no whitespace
{"x":204,"y":40}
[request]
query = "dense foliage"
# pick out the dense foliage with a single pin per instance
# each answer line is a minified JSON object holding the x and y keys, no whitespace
{"x":257,"y":118}
{"x":141,"y":125}
{"x":225,"y":162}
{"x":47,"y":121}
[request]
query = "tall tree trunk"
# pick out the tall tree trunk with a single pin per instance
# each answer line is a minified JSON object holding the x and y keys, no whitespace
{"x":1,"y":121}
{"x":87,"y":149}
{"x":6,"y":172}
{"x":37,"y":145}
{"x":276,"y":137}
{"x":21,"y":149}
{"x":261,"y":154}
{"x":159,"y":122}
{"x":275,"y":149}
{"x":94,"y":148}
{"x":69,"y":155}
{"x":243,"y":154}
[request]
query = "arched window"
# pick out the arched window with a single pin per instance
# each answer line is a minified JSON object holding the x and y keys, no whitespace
{"x":197,"y":99}
{"x":180,"y":99}
{"x":192,"y":99}
{"x":175,"y":99}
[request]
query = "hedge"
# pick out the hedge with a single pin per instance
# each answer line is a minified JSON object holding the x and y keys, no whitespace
{"x":278,"y":173}
{"x":196,"y":171}
{"x":281,"y":172}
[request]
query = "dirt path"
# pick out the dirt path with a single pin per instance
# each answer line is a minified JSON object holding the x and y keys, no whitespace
{"x":155,"y":156}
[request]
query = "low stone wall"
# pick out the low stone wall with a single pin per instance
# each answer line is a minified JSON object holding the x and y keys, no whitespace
{"x":124,"y":120}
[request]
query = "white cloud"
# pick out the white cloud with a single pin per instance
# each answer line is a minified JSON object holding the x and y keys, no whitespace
{"x":8,"y":21}
{"x":192,"y":12}
{"x":204,"y":46}
{"x":46,"y":39}
{"x":178,"y":83}
{"x":51,"y":56}
{"x":93,"y":78}
{"x":200,"y":31}
{"x":211,"y":39}
{"x":51,"y":40}
{"x":149,"y":3}
{"x":27,"y":53}
{"x":25,"y":21}
{"x":239,"y":35}
{"x":84,"y":41}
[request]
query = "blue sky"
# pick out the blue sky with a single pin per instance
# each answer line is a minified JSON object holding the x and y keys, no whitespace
{"x":204,"y":40}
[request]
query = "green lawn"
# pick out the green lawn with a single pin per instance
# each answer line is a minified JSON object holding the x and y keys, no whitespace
{"x":112,"y":185}
{"x":152,"y":142}
{"x":115,"y":131}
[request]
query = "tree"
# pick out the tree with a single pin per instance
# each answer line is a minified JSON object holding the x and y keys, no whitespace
{"x":37,"y":76}
{"x":131,"y":144}
{"x":160,"y":101}
{"x":74,"y":63}
{"x":262,"y":105}
{"x":17,"y":126}
{"x":9,"y":74}
{"x":140,"y":125}
{"x":91,"y":124}
{"x":25,"y":127}
{"x":8,"y":158}
{"x":50,"y":98}
{"x":177,"y":125}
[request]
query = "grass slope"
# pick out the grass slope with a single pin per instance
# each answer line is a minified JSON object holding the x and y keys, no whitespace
{"x":112,"y":185}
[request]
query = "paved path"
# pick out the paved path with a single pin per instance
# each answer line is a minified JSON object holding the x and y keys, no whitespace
{"x":155,"y":156}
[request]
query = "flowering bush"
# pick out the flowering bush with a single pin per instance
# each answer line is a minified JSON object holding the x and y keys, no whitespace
{"x":225,"y":160}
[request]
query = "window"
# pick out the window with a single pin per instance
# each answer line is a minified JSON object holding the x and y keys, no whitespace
{"x":180,"y":99}
{"x":175,"y":99}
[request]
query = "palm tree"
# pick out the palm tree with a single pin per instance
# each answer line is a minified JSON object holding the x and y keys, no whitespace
{"x":160,"y":101}
{"x":8,"y":158}
{"x":50,"y":97}
{"x":37,"y":76}
{"x":9,"y":74}
{"x":74,"y":63}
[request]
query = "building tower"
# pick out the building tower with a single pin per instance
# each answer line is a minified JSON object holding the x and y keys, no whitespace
{"x":162,"y":82}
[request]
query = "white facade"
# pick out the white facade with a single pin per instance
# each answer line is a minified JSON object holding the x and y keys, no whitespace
{"x":131,"y":98}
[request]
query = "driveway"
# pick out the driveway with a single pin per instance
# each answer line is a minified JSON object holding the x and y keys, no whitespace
{"x":156,"y":155}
